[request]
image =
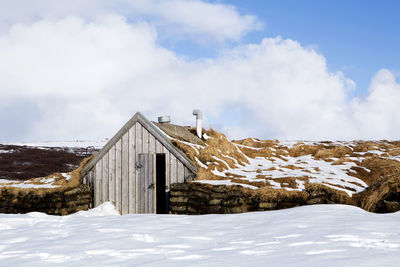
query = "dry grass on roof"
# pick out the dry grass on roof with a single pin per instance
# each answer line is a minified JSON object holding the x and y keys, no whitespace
{"x":302,"y":150}
{"x":336,"y":152}
{"x":386,"y":189}
{"x":394,"y":152}
{"x":379,"y":167}
{"x":267,"y":194}
{"x":216,"y":147}
{"x":221,"y":159}
{"x":256,"y":143}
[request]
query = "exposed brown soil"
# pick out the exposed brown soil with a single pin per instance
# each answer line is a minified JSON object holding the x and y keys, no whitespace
{"x":24,"y":162}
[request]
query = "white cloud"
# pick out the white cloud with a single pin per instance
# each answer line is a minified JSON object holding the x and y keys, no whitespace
{"x":85,"y":79}
{"x":378,"y":115}
{"x":201,"y":20}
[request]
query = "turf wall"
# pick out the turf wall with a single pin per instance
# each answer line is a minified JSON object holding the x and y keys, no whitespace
{"x":198,"y":198}
{"x":54,"y":202}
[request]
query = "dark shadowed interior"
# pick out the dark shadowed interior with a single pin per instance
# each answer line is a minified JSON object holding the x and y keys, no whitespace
{"x":161,"y":194}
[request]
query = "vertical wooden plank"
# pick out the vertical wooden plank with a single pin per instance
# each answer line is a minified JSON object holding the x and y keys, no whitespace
{"x":173,"y":169}
{"x":91,"y":183}
{"x":151,"y":183}
{"x":159,"y":147}
{"x":145,"y":140}
{"x":125,"y":174}
{"x":104,"y":179}
{"x":150,"y":178}
{"x":132,"y":171}
{"x":118,"y":175}
{"x":186,"y":173}
{"x":97,"y":191}
{"x":147,"y":183}
{"x":152,"y":144}
{"x":167,"y":168}
{"x":111,"y":174}
{"x":143,"y":202}
{"x":139,"y":149}
{"x":142,"y":182}
{"x":92,"y":179}
{"x":88,"y":176}
{"x":87,"y":179}
{"x":181,"y":172}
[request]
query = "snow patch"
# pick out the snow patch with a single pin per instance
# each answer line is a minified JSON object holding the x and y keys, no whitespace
{"x":105,"y":209}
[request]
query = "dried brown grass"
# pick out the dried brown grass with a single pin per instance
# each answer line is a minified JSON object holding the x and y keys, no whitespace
{"x":374,"y":195}
{"x":215,"y":147}
{"x":267,"y":194}
{"x":379,"y":167}
{"x":288,"y":182}
{"x":258,"y":184}
{"x":336,"y":152}
{"x":301,"y":149}
{"x":394,"y":152}
{"x":371,"y":168}
{"x":256,"y":143}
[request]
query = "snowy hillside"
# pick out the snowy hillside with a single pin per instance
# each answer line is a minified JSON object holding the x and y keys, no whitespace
{"x":319,"y":235}
{"x":40,"y":160}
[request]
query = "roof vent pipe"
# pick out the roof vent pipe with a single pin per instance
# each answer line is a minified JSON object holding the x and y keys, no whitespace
{"x":199,"y":121}
{"x":164,"y":119}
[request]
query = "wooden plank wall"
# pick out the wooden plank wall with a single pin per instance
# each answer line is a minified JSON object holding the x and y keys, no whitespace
{"x":115,"y":177}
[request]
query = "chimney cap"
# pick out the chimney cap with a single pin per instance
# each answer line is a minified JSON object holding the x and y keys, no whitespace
{"x":198,"y":114}
{"x":164,"y":119}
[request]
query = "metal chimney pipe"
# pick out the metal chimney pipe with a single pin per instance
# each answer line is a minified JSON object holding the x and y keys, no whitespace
{"x":164,"y":119}
{"x":199,"y":121}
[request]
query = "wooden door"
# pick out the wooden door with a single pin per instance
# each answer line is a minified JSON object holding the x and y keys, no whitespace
{"x":146,"y":183}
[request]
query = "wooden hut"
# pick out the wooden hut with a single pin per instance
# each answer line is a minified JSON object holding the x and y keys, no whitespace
{"x":135,"y":168}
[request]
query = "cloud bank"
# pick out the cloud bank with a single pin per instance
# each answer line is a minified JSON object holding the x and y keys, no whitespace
{"x":74,"y":77}
{"x":195,"y":19}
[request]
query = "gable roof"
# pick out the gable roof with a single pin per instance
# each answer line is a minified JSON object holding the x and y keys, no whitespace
{"x":155,"y":131}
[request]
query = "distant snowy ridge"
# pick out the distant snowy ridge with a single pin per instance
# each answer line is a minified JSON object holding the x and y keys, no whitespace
{"x":73,"y":143}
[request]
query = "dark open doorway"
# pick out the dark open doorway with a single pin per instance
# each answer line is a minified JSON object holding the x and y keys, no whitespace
{"x":161,"y":194}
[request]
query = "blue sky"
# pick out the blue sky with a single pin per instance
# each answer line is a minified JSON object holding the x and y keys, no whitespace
{"x":268,"y":69}
{"x":357,"y":37}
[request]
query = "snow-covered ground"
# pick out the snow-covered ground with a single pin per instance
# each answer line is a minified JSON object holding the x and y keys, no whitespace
{"x":320,"y":235}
